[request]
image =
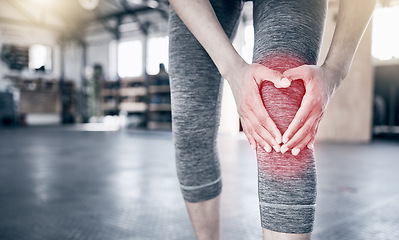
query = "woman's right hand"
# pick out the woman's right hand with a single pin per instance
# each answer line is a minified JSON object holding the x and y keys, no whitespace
{"x":245,"y":83}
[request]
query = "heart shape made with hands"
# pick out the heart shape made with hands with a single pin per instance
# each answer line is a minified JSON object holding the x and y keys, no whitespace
{"x":282,"y":103}
{"x":295,"y":114}
{"x":283,"y":108}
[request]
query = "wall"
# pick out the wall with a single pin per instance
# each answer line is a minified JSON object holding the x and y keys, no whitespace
{"x":26,"y":36}
{"x":98,"y":52}
{"x":73,"y":63}
{"x":349,"y":113}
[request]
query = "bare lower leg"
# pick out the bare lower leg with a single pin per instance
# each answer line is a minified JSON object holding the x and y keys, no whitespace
{"x":272,"y":235}
{"x":205,"y":217}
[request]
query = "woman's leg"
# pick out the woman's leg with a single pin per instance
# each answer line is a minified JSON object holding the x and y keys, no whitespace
{"x":288,"y":34}
{"x":196,"y":96}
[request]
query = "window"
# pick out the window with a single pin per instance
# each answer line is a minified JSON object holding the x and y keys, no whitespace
{"x":385,"y":36}
{"x":157,"y":52}
{"x":40,"y":57}
{"x":130,"y":59}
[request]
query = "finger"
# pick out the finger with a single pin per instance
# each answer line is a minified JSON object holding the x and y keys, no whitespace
{"x":266,"y":127}
{"x":303,"y":72}
{"x":266,"y":139}
{"x":261,"y":143}
{"x":260,"y":113}
{"x":253,"y":133}
{"x":251,"y":140}
{"x":299,"y":119}
{"x":263,"y":73}
{"x":274,"y":135}
{"x":302,"y":144}
{"x":310,"y":132}
{"x":301,"y":137}
{"x":284,"y":83}
{"x":310,"y":144}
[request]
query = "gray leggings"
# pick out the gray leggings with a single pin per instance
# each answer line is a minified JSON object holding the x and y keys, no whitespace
{"x":288,"y":34}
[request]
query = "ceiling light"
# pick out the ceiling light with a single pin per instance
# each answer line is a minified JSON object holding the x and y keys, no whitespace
{"x":89,"y":4}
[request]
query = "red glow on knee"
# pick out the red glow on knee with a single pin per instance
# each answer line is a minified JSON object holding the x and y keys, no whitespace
{"x":282,"y":61}
{"x":282,"y":105}
{"x":282,"y":166}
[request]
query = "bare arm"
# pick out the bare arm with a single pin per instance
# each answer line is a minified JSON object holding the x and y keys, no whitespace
{"x":244,"y":79}
{"x":200,"y":19}
{"x":321,"y":82}
{"x":353,"y":18}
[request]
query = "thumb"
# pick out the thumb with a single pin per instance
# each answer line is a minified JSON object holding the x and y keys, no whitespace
{"x":263,"y":73}
{"x":303,"y":72}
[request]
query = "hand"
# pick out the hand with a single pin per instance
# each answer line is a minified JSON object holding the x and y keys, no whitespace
{"x":245,"y":82}
{"x":320,"y":84}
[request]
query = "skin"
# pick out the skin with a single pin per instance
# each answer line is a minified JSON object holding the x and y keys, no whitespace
{"x":205,"y":217}
{"x":245,"y":79}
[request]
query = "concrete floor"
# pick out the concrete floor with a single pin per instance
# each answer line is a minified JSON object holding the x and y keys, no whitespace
{"x":66,"y":183}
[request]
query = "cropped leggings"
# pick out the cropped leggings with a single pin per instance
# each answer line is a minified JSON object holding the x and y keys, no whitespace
{"x":288,"y":34}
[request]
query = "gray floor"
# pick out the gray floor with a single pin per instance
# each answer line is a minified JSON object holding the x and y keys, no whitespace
{"x":65,"y":183}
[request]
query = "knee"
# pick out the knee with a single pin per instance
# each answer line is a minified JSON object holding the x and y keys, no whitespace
{"x":282,"y":105}
{"x":194,"y":126}
{"x":197,"y":164}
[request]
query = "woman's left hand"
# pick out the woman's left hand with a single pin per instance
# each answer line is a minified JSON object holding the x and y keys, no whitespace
{"x":320,"y":83}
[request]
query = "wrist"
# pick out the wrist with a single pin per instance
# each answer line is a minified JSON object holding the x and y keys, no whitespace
{"x":230,"y":69}
{"x":340,"y":68}
{"x":333,"y":76}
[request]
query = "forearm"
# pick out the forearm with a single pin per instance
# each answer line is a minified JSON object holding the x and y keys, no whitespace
{"x":200,"y":19}
{"x":353,"y":18}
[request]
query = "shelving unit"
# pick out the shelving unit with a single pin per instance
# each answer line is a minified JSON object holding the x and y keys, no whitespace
{"x":16,"y":57}
{"x":133,"y":100}
{"x":159,"y":107}
{"x":42,"y":96}
{"x":144,"y":100}
{"x":39,"y":96}
{"x":109,"y":98}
